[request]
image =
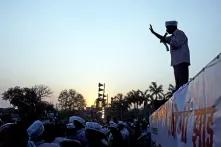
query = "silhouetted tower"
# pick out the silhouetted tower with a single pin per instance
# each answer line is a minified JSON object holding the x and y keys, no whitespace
{"x":101,"y":101}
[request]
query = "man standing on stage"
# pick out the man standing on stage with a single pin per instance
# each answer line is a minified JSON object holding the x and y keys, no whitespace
{"x":179,"y":50}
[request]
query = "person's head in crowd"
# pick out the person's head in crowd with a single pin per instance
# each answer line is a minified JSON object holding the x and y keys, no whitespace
{"x":105,"y":130}
{"x":94,"y":131}
{"x":13,"y":135}
{"x":77,"y":121}
{"x":96,"y":135}
{"x":121,"y":125}
{"x":70,"y":129}
{"x":49,"y":133}
{"x":35,"y":130}
{"x":114,"y":128}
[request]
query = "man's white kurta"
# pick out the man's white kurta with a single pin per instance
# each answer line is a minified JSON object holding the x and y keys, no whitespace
{"x":179,"y":49}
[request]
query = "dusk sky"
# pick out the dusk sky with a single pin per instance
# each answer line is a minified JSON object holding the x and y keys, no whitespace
{"x":75,"y":44}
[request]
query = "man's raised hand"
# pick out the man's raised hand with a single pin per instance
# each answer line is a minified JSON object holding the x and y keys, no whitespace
{"x":151,"y":28}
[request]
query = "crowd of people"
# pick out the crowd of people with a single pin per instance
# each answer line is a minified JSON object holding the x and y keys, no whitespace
{"x":76,"y":132}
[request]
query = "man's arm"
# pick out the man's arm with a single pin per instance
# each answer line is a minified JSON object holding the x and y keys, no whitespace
{"x":156,"y":34}
{"x":162,"y":38}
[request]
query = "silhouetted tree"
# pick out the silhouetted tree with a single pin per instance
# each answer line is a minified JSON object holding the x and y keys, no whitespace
{"x":42,"y":91}
{"x":131,"y":98}
{"x":156,"y":97}
{"x":169,"y":94}
{"x":119,"y":106}
{"x":156,"y":91}
{"x":70,"y":100}
{"x":146,"y":96}
{"x":140,"y":97}
{"x":21,"y":97}
{"x":134,"y":98}
{"x":43,"y":107}
{"x":27,"y":101}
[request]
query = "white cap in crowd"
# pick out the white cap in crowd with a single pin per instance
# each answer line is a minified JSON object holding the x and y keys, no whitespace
{"x":76,"y":118}
{"x":121,"y":123}
{"x":113,"y":124}
{"x":95,"y":127}
{"x":70,"y":125}
{"x":36,"y":129}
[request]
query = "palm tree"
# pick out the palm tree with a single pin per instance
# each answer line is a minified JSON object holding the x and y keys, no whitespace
{"x":118,"y":97}
{"x":131,"y":98}
{"x":146,"y":97}
{"x":140,"y":97}
{"x":156,"y":96}
{"x":146,"y":103}
{"x":119,"y":105}
{"x":169,"y":94}
{"x":135,"y":98}
{"x":156,"y":92}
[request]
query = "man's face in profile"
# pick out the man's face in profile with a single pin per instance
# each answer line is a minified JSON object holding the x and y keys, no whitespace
{"x":171,"y":29}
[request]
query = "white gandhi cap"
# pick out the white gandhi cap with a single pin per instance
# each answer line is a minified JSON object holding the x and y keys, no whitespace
{"x":171,"y":23}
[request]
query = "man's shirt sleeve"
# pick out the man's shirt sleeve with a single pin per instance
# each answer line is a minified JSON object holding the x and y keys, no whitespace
{"x":168,"y":39}
{"x":178,"y":39}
